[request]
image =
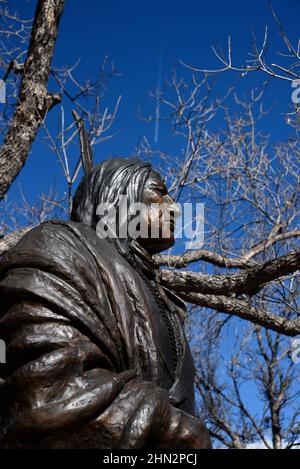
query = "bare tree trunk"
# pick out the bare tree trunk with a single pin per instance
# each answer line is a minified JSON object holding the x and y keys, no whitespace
{"x":34,"y":98}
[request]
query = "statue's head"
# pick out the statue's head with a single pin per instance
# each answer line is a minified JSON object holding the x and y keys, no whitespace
{"x":115,"y":187}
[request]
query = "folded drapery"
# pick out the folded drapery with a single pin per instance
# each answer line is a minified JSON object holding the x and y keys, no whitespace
{"x":89,"y":359}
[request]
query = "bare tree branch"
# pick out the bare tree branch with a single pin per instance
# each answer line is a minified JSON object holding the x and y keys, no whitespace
{"x":34,"y":98}
{"x":246,"y":282}
{"x":244,"y":262}
{"x":258,"y":60}
{"x":244,"y":310}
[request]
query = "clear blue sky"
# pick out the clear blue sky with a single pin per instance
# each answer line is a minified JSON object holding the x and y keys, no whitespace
{"x":138,"y":36}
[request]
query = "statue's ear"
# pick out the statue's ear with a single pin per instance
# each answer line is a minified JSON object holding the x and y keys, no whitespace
{"x":85,"y":146}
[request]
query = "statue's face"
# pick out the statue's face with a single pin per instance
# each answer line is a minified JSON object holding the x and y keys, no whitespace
{"x":161,"y":218}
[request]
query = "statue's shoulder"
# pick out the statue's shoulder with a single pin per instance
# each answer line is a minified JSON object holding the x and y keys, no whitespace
{"x":52,"y":231}
{"x":68,"y":250}
{"x":57,"y":227}
{"x":56,"y":239}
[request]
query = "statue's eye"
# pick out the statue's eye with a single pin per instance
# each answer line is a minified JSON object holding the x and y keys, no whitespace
{"x":158,"y":190}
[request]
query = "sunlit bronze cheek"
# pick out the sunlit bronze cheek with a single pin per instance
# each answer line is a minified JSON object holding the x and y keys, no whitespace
{"x":151,"y":219}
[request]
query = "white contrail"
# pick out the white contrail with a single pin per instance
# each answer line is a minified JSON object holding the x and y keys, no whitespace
{"x":157,"y":92}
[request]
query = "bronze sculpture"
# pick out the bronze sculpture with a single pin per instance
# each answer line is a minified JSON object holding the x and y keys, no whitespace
{"x":96,"y":352}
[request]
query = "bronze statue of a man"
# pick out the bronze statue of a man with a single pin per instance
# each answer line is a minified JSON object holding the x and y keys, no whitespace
{"x":96,"y":352}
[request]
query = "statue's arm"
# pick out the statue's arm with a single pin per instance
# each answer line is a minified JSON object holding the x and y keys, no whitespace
{"x":60,"y":392}
{"x":55,"y":377}
{"x":65,"y":381}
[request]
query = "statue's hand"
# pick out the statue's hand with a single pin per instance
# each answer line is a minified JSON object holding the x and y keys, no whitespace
{"x":154,"y":423}
{"x":143,"y":417}
{"x":185,"y":431}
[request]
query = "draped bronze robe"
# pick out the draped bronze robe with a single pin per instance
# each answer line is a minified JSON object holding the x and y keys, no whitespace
{"x":89,"y":356}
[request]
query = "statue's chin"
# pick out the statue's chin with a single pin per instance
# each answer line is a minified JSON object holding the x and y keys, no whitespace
{"x":154,"y":246}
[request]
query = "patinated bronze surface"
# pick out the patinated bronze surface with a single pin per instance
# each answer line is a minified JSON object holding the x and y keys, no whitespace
{"x":96,"y":352}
